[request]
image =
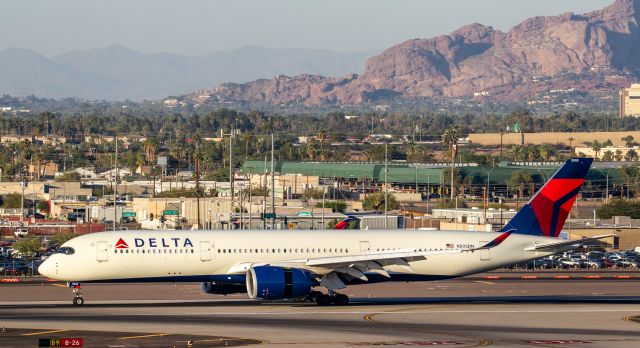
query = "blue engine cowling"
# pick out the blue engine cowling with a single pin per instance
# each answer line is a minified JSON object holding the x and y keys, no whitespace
{"x":275,"y":283}
{"x":222,"y":288}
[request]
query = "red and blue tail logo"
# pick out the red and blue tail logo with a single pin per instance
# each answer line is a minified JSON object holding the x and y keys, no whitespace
{"x":342,"y":225}
{"x":546,"y":213}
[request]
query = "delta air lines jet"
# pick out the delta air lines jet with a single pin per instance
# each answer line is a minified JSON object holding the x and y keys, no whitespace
{"x":287,"y":264}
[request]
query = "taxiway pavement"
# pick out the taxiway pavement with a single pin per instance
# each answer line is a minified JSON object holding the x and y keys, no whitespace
{"x":463,"y":313}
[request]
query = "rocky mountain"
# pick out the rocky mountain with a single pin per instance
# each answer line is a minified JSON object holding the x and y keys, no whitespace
{"x":118,"y":73}
{"x":581,"y":52}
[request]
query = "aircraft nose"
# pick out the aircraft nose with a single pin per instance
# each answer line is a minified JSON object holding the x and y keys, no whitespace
{"x":46,"y":269}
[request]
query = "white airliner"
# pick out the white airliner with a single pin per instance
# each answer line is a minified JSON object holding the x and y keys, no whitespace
{"x":287,"y":264}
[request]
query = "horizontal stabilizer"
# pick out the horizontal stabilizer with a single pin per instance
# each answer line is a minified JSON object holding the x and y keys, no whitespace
{"x":574,"y":244}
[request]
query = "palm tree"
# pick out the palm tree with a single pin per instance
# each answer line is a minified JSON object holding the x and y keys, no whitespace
{"x":571,"y":139}
{"x":631,"y":155}
{"x":246,"y":137}
{"x":322,"y":137}
{"x":618,"y":156}
{"x":150,"y":146}
{"x":450,"y":139}
{"x":311,"y":150}
{"x":545,"y":152}
{"x":596,"y":147}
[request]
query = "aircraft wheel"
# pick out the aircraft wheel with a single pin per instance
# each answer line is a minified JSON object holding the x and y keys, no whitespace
{"x":313,"y":295}
{"x":323,"y":300}
{"x":341,"y":300}
{"x":78,"y":301}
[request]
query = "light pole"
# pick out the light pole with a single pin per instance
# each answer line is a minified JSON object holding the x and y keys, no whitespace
{"x":23,"y":185}
{"x":115,"y":186}
{"x":386,"y":184}
{"x":273,"y":186}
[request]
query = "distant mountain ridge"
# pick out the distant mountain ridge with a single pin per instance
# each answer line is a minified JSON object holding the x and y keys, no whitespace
{"x":596,"y":50}
{"x":118,"y":73}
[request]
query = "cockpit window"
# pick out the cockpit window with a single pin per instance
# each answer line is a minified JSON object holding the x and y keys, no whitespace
{"x":65,"y":250}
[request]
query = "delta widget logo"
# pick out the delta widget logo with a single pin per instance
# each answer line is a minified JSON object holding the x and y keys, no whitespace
{"x":122,"y":244}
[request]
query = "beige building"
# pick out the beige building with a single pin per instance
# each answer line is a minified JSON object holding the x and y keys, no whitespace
{"x":13,"y":138}
{"x":294,"y":184}
{"x":45,"y":169}
{"x":612,"y":153}
{"x":52,"y":139}
{"x":630,"y":101}
{"x":564,"y":138}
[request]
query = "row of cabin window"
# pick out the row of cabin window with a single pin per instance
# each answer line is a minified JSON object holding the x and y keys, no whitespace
{"x":153,"y":251}
{"x":275,"y":251}
{"x":421,"y":249}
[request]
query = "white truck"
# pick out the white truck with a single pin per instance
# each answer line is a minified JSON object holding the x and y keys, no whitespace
{"x":21,"y":232}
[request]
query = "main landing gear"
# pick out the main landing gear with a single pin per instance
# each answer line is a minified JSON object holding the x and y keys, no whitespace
{"x":77,"y":295}
{"x":332,"y":298}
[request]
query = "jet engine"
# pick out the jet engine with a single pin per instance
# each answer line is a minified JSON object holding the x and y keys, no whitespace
{"x":218,"y":288}
{"x":275,"y":283}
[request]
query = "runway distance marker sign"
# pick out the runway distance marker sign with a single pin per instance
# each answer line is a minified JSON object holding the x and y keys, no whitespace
{"x":61,"y":342}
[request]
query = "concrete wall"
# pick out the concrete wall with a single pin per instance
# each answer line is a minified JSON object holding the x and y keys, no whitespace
{"x":551,"y":138}
{"x":628,"y":238}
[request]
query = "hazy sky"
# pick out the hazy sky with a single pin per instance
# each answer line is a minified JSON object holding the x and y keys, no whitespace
{"x":204,"y":26}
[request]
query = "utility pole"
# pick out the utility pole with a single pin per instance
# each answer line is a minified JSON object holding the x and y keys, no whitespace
{"x":197,"y":187}
{"x":250,"y":196}
{"x":115,"y":186}
{"x":273,"y":186}
{"x":386,"y":182}
{"x":231,"y":166}
{"x":324,"y":191}
{"x":484,"y":201}
{"x":23,"y":185}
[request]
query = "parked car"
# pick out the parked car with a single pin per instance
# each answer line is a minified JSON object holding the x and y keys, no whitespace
{"x":591,"y":264}
{"x":625,"y":263}
{"x":21,"y":232}
{"x":569,"y":263}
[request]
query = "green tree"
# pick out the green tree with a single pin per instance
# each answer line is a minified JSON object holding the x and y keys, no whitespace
{"x":375,"y":201}
{"x":150,"y":146}
{"x":631,"y":155}
{"x":322,"y":137}
{"x":596,"y":147}
{"x":60,"y":238}
{"x":12,"y":200}
{"x":337,"y":206}
{"x":68,"y":177}
{"x":450,"y":140}
{"x":628,"y":141}
{"x":28,"y":246}
{"x":519,"y":181}
{"x":43,"y":206}
{"x":619,"y":207}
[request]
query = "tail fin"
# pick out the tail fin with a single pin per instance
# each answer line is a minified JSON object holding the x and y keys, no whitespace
{"x":342,"y":225}
{"x":546,"y":212}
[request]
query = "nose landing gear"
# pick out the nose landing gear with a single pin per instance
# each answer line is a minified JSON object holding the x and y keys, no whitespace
{"x":77,"y":294}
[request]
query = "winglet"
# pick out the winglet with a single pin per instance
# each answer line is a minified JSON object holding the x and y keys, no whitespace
{"x":494,"y":243}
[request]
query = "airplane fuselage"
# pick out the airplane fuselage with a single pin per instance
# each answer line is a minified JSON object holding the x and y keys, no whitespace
{"x":199,"y":255}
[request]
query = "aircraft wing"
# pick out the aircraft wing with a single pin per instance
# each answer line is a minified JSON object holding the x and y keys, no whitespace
{"x":355,"y":266}
{"x":567,"y":245}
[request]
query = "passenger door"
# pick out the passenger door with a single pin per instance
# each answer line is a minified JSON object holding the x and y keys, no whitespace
{"x":205,"y":251}
{"x":102,"y":249}
{"x":365,"y":247}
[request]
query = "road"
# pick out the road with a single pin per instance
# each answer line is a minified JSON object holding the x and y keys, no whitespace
{"x":465,"y":313}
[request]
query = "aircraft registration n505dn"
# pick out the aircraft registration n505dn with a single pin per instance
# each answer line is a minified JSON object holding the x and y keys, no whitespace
{"x":287,"y":264}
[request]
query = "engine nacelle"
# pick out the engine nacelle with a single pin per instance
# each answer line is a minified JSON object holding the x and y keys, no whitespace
{"x":275,"y":283}
{"x":222,"y":288}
